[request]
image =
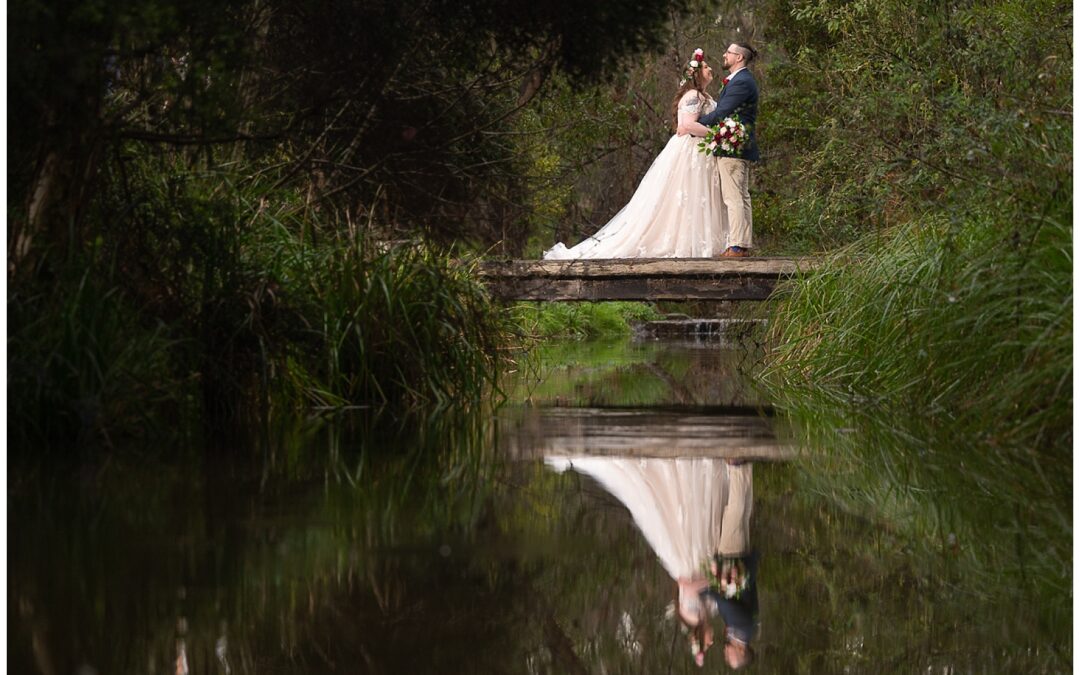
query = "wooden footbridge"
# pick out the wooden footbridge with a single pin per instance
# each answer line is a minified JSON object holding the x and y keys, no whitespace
{"x":640,"y":278}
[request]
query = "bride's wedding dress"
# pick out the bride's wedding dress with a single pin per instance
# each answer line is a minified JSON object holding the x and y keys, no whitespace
{"x":688,"y":509}
{"x":676,"y":212}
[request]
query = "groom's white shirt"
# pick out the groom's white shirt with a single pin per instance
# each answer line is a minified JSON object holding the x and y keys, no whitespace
{"x":731,"y":76}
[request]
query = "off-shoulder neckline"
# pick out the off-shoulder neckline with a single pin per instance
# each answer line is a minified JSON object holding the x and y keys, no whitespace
{"x":695,"y":92}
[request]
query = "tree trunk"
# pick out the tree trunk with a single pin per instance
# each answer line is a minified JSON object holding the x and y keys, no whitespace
{"x":55,"y":199}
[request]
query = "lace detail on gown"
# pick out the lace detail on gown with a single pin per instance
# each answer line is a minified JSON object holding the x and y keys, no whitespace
{"x":676,"y":211}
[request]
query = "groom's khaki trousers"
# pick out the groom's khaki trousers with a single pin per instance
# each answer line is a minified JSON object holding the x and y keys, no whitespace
{"x":735,"y":521}
{"x":735,"y":188}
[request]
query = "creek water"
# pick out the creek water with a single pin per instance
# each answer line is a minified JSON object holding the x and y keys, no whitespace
{"x":472,"y":543}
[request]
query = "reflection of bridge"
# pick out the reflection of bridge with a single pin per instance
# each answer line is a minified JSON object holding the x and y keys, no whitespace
{"x":689,"y":431}
{"x":639,"y":278}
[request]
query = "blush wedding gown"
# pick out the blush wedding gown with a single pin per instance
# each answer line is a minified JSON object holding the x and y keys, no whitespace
{"x":688,"y":509}
{"x":676,"y":211}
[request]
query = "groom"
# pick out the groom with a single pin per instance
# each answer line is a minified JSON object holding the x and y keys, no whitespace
{"x":739,"y":610}
{"x":739,"y":96}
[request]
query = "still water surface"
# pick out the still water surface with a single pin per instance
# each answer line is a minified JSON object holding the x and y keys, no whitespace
{"x":538,"y":539}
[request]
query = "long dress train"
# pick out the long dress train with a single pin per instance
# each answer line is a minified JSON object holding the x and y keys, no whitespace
{"x":676,"y":211}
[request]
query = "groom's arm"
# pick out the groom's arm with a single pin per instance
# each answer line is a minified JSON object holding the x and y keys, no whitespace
{"x":738,"y":92}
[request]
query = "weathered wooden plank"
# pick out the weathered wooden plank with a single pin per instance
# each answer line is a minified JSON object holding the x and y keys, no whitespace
{"x":652,"y":267}
{"x":631,"y":288}
{"x":639,"y":278}
{"x":773,"y":452}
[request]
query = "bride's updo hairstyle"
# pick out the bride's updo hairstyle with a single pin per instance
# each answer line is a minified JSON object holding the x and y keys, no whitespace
{"x":692,"y":78}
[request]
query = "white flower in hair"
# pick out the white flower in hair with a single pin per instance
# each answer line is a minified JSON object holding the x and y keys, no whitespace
{"x":694,"y":64}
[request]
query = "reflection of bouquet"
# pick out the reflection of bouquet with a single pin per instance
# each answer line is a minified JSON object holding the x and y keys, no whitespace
{"x":728,"y":575}
{"x":727,"y":139}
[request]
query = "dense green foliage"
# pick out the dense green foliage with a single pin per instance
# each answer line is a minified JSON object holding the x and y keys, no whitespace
{"x":935,"y":373}
{"x":79,"y":358}
{"x":932,"y":358}
{"x":886,"y":112}
{"x":395,"y":110}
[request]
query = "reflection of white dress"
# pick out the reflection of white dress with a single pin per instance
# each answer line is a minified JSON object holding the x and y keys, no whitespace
{"x":688,"y":509}
{"x":676,"y":212}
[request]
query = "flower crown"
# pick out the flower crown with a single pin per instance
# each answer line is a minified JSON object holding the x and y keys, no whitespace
{"x":695,"y":62}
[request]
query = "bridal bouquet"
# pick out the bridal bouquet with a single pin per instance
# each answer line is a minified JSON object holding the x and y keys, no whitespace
{"x":728,"y":575}
{"x":727,"y":139}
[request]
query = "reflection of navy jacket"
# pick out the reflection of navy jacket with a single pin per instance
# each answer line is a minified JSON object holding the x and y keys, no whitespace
{"x":740,"y":95}
{"x":740,"y":614}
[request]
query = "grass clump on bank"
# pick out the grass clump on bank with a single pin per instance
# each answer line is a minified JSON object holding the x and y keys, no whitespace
{"x":405,"y":327}
{"x":581,"y":320}
{"x":81,"y":361}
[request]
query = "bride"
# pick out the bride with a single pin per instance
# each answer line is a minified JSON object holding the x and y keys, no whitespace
{"x":677,"y":211}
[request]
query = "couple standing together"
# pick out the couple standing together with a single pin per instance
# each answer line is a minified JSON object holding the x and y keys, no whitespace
{"x":695,"y":514}
{"x":682,"y":209}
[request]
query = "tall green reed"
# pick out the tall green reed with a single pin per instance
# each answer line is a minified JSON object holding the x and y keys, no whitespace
{"x":238,"y":300}
{"x":82,"y":364}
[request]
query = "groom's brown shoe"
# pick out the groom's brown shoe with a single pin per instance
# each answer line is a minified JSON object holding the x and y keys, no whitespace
{"x":735,"y":252}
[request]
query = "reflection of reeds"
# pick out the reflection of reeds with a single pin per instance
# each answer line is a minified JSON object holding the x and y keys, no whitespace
{"x":119,"y":561}
{"x":929,"y":371}
{"x":840,"y":592}
{"x":646,"y":373}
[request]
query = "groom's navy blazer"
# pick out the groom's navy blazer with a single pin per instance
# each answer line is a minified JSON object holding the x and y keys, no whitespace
{"x":740,"y":95}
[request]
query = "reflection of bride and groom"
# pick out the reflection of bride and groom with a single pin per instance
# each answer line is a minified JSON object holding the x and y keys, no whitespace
{"x":695,"y":514}
{"x":689,"y":204}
